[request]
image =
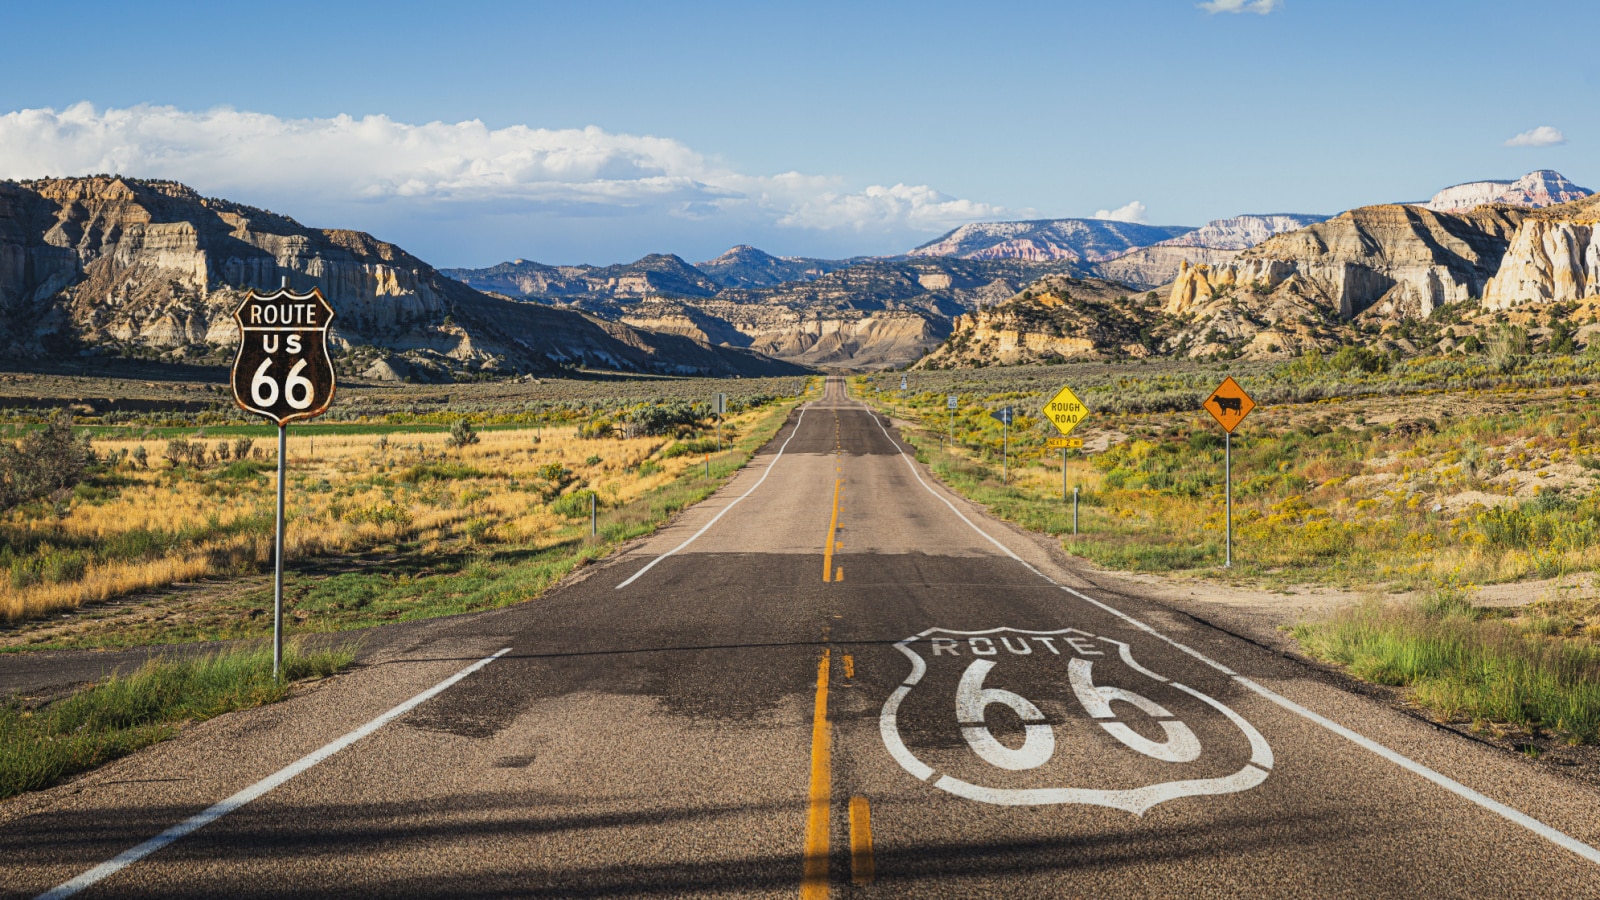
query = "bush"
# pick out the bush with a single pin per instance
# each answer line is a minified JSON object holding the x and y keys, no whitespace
{"x":665,"y":418}
{"x":461,"y":435}
{"x":574,"y":504}
{"x":44,"y":462}
{"x":686,"y":448}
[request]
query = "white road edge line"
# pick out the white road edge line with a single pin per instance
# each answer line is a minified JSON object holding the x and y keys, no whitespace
{"x":1550,"y":834}
{"x":724,"y":511}
{"x":200,"y":820}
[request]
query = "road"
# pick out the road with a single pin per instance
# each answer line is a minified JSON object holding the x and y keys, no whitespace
{"x":833,"y":678}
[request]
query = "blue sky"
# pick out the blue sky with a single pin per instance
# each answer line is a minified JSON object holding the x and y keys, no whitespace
{"x":597,"y":132}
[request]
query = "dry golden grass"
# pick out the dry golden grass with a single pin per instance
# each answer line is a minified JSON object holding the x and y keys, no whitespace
{"x":346,"y":494}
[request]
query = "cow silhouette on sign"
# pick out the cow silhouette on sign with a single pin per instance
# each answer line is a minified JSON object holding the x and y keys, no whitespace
{"x":1226,"y":403}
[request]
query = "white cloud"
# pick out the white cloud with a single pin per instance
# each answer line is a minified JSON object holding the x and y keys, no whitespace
{"x":1543,"y":136}
{"x":1132,"y":212}
{"x":344,"y":163}
{"x":1259,"y":7}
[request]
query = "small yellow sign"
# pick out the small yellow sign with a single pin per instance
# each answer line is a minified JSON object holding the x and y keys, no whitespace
{"x":1065,"y":411}
{"x":1063,"y":443}
{"x":1229,"y":404}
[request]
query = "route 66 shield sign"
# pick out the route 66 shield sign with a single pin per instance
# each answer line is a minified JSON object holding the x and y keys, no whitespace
{"x":283,"y":370}
{"x":1023,"y":718}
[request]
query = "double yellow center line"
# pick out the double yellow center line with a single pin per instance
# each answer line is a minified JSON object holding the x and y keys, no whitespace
{"x":828,"y":572}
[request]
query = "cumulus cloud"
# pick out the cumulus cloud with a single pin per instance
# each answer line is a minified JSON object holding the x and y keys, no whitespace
{"x":1543,"y":136}
{"x":457,"y":169}
{"x":1132,"y":212}
{"x":1259,"y":7}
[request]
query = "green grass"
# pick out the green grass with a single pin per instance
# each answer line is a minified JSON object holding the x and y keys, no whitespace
{"x":41,"y":746}
{"x":1464,"y":664}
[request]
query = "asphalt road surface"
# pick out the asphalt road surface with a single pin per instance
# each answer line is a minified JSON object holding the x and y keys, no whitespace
{"x":834,"y":677}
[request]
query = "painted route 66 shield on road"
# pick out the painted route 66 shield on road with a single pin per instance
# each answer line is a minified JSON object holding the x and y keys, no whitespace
{"x":283,"y":370}
{"x":1022,"y":718}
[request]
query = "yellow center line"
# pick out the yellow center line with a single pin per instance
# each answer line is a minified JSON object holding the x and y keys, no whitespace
{"x":814,"y":877}
{"x":833,"y":527}
{"x":862,"y":867}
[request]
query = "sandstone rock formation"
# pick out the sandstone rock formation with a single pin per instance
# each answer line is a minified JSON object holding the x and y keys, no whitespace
{"x":1056,"y":318}
{"x":1554,"y":257}
{"x":151,"y":267}
{"x":1535,"y":189}
{"x":1400,"y":261}
{"x":1212,"y":244}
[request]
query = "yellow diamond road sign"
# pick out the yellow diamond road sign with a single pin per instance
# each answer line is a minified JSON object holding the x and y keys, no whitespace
{"x":1065,"y":411}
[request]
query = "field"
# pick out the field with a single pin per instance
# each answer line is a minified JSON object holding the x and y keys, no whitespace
{"x":394,"y":511}
{"x":1423,"y":478}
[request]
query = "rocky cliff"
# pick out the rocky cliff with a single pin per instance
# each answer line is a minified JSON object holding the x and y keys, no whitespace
{"x":1535,"y":189}
{"x":152,"y":268}
{"x":1213,"y":243}
{"x":1393,"y":261}
{"x":1554,"y":257}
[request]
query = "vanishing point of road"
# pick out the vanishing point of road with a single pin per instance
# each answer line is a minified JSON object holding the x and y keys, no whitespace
{"x":834,"y":677}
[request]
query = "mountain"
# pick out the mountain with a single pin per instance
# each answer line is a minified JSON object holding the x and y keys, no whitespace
{"x":1213,"y":243}
{"x":114,"y":265}
{"x":659,"y":274}
{"x":876,"y":314}
{"x":1070,"y":240}
{"x":1535,"y":189}
{"x":745,"y":266}
{"x":866,"y":312}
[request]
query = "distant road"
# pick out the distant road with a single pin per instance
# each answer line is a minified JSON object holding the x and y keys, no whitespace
{"x":833,"y":677}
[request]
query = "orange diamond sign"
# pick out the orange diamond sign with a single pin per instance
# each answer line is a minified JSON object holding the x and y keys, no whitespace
{"x":1229,"y":404}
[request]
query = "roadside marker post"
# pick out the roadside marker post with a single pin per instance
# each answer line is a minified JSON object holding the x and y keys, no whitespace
{"x":1004,"y":415}
{"x":722,"y":407}
{"x":950,"y":416}
{"x":1228,"y":404}
{"x":282,"y":372}
{"x":594,"y":527}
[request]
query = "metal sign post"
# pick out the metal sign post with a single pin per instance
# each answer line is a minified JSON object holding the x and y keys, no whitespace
{"x":1228,"y":404}
{"x":1066,"y":412}
{"x":283,"y":372}
{"x":950,"y":416}
{"x":1004,"y":414}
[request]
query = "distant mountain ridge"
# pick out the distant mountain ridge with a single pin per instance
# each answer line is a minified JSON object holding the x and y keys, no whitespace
{"x":1047,"y":240}
{"x":1537,"y":189}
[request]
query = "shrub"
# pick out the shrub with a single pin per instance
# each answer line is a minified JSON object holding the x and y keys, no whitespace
{"x":461,"y":435}
{"x":45,"y":461}
{"x":574,"y":504}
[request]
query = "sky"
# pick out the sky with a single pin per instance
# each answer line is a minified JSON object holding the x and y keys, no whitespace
{"x":475,"y":132}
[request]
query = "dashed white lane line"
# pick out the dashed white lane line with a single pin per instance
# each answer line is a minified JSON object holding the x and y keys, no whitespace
{"x":1550,"y":834}
{"x":254,"y":791}
{"x":724,"y":511}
